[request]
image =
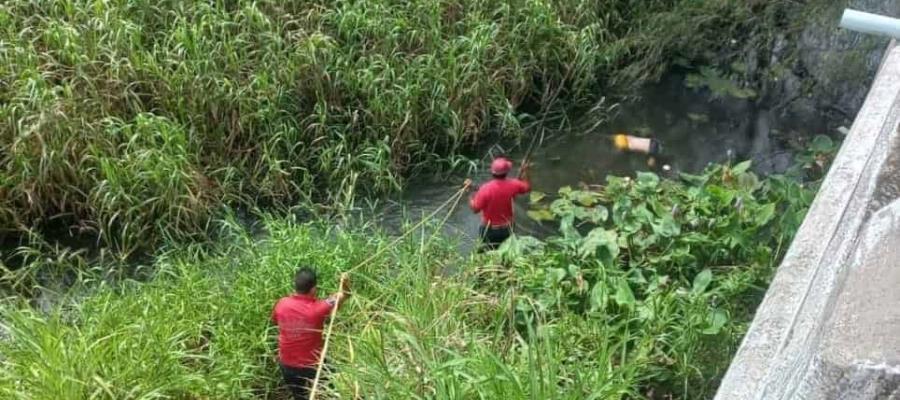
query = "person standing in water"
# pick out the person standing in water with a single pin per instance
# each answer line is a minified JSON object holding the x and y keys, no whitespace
{"x":494,"y":200}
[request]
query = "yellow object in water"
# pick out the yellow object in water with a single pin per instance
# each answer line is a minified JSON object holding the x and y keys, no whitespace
{"x":620,"y":140}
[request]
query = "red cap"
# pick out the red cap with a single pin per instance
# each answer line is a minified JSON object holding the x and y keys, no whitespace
{"x":500,"y":166}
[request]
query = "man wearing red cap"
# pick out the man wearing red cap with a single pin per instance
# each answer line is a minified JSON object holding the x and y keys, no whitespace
{"x":494,"y":200}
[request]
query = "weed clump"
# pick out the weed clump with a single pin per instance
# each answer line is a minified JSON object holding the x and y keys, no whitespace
{"x":645,"y":292}
{"x":135,"y":120}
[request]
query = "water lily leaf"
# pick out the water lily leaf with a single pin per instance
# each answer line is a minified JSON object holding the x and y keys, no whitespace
{"x":702,"y":281}
{"x":536,"y":197}
{"x":624,"y":295}
{"x":565,"y":190}
{"x":716,"y":320}
{"x":540,"y":215}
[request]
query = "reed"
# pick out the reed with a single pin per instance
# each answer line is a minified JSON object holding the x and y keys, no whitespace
{"x":134,"y":120}
{"x":651,"y":303}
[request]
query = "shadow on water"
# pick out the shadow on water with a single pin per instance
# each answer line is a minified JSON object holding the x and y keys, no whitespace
{"x":694,"y":129}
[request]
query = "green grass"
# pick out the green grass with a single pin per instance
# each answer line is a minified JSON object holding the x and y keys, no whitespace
{"x":134,"y":120}
{"x":644,"y":293}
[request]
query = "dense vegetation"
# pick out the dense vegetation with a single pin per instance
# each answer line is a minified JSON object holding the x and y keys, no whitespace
{"x":644,"y":294}
{"x":140,"y":122}
{"x":133,"y":120}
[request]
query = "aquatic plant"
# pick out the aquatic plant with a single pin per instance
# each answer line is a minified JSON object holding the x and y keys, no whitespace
{"x":644,"y":293}
{"x":272,"y":102}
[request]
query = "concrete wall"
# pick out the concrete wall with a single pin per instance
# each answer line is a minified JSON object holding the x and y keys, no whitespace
{"x":829,"y":326}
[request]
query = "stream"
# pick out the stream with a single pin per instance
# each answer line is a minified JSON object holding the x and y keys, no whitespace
{"x":694,"y":129}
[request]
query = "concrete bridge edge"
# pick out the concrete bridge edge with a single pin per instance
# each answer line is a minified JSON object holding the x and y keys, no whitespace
{"x":778,"y":357}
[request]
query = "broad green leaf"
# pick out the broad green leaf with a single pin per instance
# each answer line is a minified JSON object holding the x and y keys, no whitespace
{"x":599,"y":297}
{"x":748,"y":181}
{"x":536,"y":197}
{"x":821,"y":144}
{"x":598,"y":214}
{"x":567,"y":227}
{"x":722,"y":194}
{"x":624,"y":295}
{"x":562,"y":208}
{"x":540,"y":215}
{"x":517,"y":246}
{"x":716,"y":320}
{"x":602,"y":242}
{"x":557,"y":274}
{"x":667,"y":227}
{"x":656,"y":284}
{"x":642,"y":214}
{"x":584,"y":198}
{"x":741,"y":167}
{"x":646,"y":312}
{"x":647,"y":180}
{"x":694,"y":179}
{"x":765,"y":214}
{"x":702,"y":281}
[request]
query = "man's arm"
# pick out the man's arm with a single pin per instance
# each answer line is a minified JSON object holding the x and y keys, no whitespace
{"x":336,"y":299}
{"x":524,"y":180}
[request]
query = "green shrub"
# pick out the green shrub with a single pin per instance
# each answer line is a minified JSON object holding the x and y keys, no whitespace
{"x":280,"y":102}
{"x":644,"y":293}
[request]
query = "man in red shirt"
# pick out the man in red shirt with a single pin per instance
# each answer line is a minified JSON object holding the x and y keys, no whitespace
{"x":300,"y":319}
{"x":494,"y":200}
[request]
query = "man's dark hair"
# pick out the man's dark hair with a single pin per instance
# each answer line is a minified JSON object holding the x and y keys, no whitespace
{"x":499,"y":176}
{"x":304,"y":280}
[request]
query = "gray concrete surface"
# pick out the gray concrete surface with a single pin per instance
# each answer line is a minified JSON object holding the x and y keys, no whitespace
{"x":829,"y":326}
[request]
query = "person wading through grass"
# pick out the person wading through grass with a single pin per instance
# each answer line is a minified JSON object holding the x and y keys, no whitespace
{"x":300,"y":319}
{"x":494,"y":200}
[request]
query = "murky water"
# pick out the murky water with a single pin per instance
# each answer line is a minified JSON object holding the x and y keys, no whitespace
{"x":694,"y":131}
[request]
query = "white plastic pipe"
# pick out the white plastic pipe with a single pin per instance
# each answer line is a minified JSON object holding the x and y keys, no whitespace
{"x":870,"y":23}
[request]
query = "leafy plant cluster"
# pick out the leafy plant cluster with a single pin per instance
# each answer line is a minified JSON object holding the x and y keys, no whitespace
{"x":645,"y":292}
{"x":674,"y":268}
{"x":135,"y":119}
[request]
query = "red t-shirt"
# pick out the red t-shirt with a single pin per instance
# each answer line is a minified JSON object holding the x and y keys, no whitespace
{"x":494,"y":200}
{"x":300,"y":319}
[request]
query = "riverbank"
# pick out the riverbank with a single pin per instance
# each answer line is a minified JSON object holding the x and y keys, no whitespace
{"x":134,"y":123}
{"x":644,"y":293}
